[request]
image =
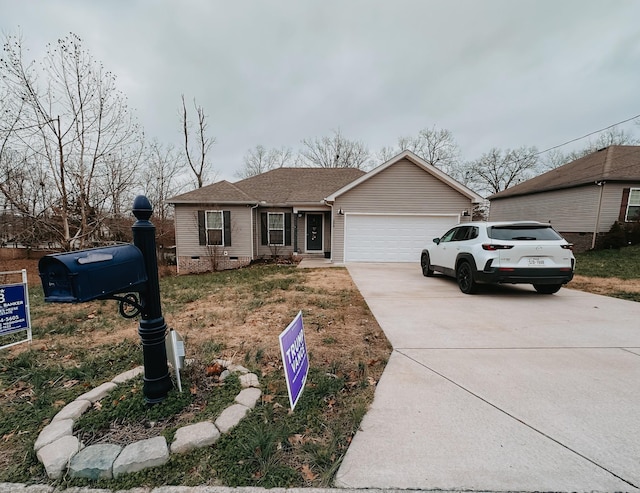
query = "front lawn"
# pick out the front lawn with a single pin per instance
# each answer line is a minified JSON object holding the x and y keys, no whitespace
{"x":610,"y":272}
{"x":232,"y":315}
{"x":623,"y":263}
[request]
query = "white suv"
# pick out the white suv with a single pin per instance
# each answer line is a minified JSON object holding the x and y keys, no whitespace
{"x":501,"y":252}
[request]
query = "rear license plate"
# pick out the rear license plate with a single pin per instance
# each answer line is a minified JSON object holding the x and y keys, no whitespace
{"x":536,"y":261}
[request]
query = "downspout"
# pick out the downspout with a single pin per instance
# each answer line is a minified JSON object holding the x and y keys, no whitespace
{"x":606,"y":168}
{"x":597,"y":226}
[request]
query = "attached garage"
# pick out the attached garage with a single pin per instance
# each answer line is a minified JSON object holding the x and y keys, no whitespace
{"x":392,"y":212}
{"x":391,"y":237}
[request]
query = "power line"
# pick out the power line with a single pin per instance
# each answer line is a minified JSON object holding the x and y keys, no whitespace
{"x":585,"y":136}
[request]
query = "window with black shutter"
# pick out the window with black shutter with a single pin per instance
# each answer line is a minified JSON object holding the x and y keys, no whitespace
{"x":214,"y":228}
{"x":633,"y":205}
{"x":276,"y":228}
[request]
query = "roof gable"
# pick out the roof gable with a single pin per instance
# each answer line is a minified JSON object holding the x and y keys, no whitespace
{"x":419,"y":162}
{"x":613,"y":163}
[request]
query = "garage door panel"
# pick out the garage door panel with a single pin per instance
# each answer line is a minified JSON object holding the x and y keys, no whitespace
{"x":391,"y":238}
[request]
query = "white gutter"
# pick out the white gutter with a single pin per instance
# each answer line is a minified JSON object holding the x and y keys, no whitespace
{"x":597,"y":226}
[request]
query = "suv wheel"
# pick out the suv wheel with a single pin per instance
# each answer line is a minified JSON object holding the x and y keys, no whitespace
{"x":464,"y":276}
{"x":547,"y":288}
{"x":426,"y":268}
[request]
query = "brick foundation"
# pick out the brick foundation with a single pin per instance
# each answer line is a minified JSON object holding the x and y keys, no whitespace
{"x":581,"y":241}
{"x":190,"y":265}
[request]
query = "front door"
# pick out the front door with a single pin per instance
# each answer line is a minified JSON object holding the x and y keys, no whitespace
{"x":314,"y":232}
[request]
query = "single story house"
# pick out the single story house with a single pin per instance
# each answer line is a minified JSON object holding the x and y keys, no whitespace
{"x":581,"y":199}
{"x":342,"y":214}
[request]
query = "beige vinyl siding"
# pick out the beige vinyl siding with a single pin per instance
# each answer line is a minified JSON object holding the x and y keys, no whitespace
{"x":403,"y":188}
{"x":327,"y":232}
{"x":611,"y":202}
{"x":573,"y":210}
{"x":186,"y":221}
{"x":337,"y":251}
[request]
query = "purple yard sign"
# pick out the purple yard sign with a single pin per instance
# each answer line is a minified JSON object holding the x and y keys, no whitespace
{"x":295,"y":359}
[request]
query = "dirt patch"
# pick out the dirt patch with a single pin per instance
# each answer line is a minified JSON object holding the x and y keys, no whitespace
{"x":219,"y":316}
{"x":605,"y":286}
{"x":333,"y":332}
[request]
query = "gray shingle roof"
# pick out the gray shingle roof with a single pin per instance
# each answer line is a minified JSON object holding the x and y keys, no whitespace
{"x":282,"y":186}
{"x":613,"y":163}
{"x":221,"y":191}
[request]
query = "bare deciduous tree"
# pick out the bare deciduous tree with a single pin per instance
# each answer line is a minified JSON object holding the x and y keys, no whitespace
{"x":609,"y":137}
{"x":163,"y":178}
{"x":71,"y":126}
{"x":259,"y":160}
{"x":197,"y":154}
{"x":436,"y":146}
{"x":498,"y":170}
{"x":334,"y":152}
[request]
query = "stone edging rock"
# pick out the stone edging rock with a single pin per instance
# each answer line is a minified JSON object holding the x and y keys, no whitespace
{"x":58,"y":449}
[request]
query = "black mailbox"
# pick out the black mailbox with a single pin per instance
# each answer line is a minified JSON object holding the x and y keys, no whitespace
{"x":87,"y":275}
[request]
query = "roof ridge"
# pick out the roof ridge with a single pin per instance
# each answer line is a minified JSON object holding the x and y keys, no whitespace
{"x":240,"y":190}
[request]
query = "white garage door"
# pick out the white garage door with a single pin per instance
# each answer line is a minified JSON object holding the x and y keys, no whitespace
{"x":391,"y":238}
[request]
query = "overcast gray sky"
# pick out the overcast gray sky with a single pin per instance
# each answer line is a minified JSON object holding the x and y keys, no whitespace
{"x":496,"y":73}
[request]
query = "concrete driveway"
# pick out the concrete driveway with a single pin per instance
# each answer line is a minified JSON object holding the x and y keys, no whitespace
{"x":503,"y":390}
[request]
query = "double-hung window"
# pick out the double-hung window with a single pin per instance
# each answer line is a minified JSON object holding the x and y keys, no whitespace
{"x":276,"y":228}
{"x":215,"y":228}
{"x":633,"y":205}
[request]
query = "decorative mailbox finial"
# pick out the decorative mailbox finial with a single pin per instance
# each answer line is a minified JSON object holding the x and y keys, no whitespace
{"x":142,"y":208}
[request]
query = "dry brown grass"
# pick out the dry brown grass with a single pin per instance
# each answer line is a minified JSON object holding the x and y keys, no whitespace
{"x":604,"y":286}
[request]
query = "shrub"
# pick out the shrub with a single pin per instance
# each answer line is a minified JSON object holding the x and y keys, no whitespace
{"x":633,"y":233}
{"x":615,"y":238}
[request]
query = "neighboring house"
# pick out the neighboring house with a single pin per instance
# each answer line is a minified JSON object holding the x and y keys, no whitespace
{"x":581,"y":199}
{"x":343,"y":214}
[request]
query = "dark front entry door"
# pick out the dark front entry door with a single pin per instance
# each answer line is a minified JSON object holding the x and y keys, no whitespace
{"x":314,"y":232}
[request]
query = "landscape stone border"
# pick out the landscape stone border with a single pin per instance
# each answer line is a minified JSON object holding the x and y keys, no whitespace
{"x":59,"y":450}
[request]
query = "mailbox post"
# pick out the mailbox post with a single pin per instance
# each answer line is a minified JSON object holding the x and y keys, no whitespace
{"x":152,"y":329}
{"x":115,"y":272}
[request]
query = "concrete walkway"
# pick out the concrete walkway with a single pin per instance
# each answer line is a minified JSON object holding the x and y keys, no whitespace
{"x":317,"y":263}
{"x":506,"y":390}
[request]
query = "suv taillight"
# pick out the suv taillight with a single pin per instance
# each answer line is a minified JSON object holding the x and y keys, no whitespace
{"x":568,"y":246}
{"x":490,"y":247}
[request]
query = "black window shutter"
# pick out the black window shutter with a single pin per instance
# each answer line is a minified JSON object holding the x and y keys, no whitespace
{"x":623,"y":204}
{"x":202,"y":232}
{"x":226,"y":217}
{"x":287,"y":229}
{"x":263,"y":230}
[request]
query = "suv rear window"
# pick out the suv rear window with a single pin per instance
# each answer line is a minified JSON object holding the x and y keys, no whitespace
{"x":523,"y":232}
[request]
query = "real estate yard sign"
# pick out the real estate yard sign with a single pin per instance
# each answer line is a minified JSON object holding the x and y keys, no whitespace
{"x":295,"y":358}
{"x":14,"y":308}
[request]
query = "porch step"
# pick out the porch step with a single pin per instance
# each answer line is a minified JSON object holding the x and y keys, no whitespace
{"x":319,"y":255}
